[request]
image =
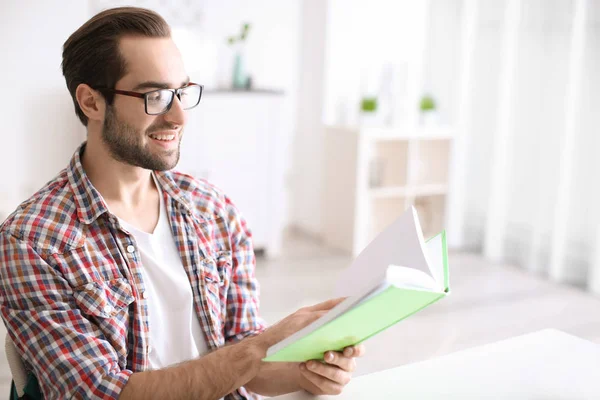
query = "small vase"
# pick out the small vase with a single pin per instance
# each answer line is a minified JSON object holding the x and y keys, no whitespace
{"x":429,"y":118}
{"x":239,"y":78}
{"x":372,"y":118}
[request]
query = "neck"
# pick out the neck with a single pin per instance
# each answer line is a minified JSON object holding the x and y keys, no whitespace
{"x":119,"y":183}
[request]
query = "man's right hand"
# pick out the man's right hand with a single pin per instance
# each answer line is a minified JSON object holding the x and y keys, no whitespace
{"x":229,"y":367}
{"x":328,"y":377}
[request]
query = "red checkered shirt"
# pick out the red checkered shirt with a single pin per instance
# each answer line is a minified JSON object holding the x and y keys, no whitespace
{"x":71,"y":287}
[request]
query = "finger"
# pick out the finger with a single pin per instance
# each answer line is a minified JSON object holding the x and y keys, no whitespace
{"x":323,"y":385}
{"x":331,"y":372}
{"x":326,"y":305}
{"x":355,"y":351}
{"x":313,"y":317}
{"x":340,"y":360}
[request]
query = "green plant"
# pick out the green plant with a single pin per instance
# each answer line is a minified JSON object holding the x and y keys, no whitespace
{"x":242,"y":36}
{"x":368,"y":104}
{"x":427,"y":104}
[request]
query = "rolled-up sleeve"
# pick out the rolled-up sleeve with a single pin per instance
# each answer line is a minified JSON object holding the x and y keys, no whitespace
{"x":66,"y":351}
{"x":243,"y":317}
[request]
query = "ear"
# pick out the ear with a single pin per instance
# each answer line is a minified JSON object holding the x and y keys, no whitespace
{"x":91,"y":102}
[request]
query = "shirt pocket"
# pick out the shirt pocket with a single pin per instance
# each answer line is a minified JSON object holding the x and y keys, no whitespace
{"x":217,"y":269}
{"x":216,"y":276}
{"x":106,"y":304}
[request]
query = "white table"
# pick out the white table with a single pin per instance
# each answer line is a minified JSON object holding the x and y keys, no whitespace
{"x":547,"y":364}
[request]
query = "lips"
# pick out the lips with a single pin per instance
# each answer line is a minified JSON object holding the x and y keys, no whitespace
{"x":164,"y":134}
{"x":163,"y":137}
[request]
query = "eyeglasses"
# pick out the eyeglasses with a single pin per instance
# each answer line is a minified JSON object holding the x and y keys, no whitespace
{"x":159,"y":101}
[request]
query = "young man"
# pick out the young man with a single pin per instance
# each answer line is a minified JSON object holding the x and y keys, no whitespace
{"x":123,"y":279}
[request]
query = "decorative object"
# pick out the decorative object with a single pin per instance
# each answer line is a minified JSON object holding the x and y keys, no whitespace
{"x":428,"y":108}
{"x":369,"y":104}
{"x":370,"y":101}
{"x":239,"y":77}
{"x":369,"y":111}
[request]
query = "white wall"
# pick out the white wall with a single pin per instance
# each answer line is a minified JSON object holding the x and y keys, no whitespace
{"x":40,"y":130}
{"x":306,"y":177}
{"x":442,"y":66}
{"x":364,"y":37}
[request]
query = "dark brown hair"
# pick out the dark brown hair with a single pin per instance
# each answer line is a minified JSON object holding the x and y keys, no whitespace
{"x":91,"y":54}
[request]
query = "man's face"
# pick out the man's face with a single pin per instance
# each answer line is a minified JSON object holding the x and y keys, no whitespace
{"x":132,"y":136}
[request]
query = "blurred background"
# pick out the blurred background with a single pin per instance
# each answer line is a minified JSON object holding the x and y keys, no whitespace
{"x":325,"y":119}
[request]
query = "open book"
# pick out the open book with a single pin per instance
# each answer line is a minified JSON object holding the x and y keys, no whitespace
{"x":395,"y":276}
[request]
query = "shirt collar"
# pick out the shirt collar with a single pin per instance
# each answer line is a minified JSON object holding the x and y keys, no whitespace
{"x":89,"y":202}
{"x":169,"y":186}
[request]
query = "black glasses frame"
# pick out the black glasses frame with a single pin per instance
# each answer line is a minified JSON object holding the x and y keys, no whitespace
{"x":176,"y":92}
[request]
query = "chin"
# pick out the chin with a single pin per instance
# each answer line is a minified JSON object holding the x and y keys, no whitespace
{"x":169,"y":164}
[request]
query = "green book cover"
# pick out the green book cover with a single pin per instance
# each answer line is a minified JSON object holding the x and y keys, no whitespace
{"x":399,"y":292}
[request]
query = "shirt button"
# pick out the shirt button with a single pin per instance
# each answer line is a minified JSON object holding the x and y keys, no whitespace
{"x":144,"y":294}
{"x":130,"y":249}
{"x":89,"y":286}
{"x":107,"y":309}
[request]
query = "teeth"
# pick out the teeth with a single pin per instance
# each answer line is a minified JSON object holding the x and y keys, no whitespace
{"x":163,"y":137}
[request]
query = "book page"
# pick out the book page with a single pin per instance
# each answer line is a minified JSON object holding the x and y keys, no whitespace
{"x":401,"y":243}
{"x":410,"y":278}
{"x":405,"y":278}
{"x":435,"y":257}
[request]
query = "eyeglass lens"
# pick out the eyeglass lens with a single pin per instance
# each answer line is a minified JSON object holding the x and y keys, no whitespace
{"x":158,"y":101}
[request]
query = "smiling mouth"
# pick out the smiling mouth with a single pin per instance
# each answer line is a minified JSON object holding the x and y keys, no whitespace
{"x":163,"y":137}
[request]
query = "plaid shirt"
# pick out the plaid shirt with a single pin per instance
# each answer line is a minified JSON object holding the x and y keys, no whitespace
{"x":71,"y":288}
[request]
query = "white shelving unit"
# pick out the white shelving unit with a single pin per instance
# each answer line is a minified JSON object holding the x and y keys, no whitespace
{"x":373,"y":174}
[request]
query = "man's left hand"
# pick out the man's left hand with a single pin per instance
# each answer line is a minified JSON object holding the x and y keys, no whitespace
{"x":331,"y":375}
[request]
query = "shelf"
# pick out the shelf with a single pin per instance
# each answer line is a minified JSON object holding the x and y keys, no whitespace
{"x":384,"y":212}
{"x":382,"y":171}
{"x":403,"y":191}
{"x":434,"y":189}
{"x":389,"y":192}
{"x":401,"y":132}
{"x":213,"y":91}
{"x":431,"y":163}
{"x":435,"y":133}
{"x":409,"y":133}
{"x":387,"y":167}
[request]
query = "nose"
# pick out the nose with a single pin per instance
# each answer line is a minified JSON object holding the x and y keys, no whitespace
{"x":176,"y":115}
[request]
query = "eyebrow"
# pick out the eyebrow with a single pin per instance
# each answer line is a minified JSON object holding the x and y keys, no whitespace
{"x":158,"y":85}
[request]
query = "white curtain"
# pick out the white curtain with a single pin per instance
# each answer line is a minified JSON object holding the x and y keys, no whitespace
{"x":525,"y":187}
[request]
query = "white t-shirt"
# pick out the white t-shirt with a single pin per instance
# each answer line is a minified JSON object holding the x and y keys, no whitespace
{"x":175,"y":331}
